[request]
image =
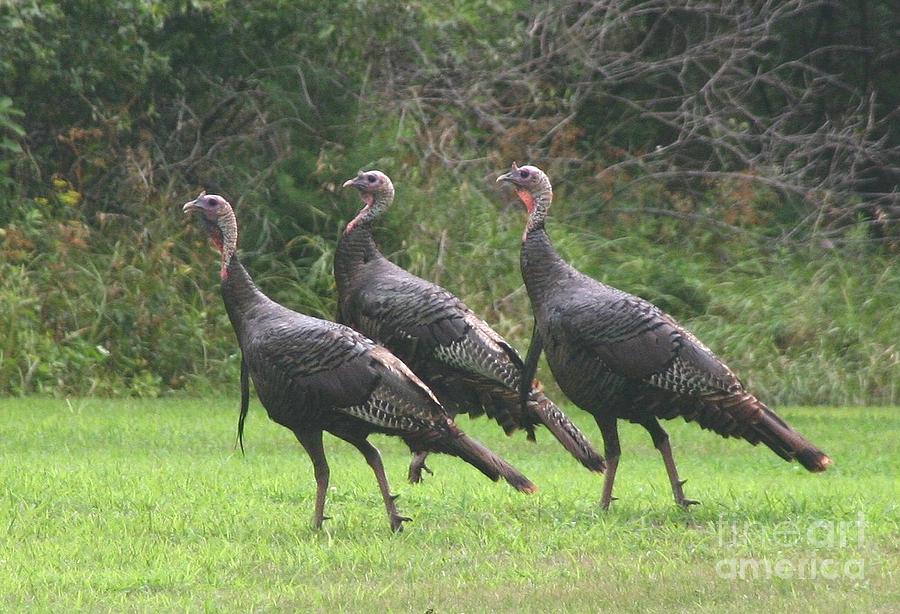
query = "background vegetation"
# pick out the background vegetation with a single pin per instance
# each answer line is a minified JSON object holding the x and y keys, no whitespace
{"x":735,"y":162}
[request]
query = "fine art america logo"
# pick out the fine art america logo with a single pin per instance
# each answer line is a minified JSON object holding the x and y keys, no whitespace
{"x":830,"y":549}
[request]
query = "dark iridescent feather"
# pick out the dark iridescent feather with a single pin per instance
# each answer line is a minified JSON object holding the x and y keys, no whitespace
{"x":468,"y":365}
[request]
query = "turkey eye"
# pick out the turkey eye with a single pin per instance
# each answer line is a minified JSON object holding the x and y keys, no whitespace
{"x":371,"y":178}
{"x":523,"y":174}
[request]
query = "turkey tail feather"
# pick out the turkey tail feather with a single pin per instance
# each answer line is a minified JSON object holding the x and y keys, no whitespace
{"x":486,"y":462}
{"x":245,"y":400}
{"x":565,"y":431}
{"x":788,"y":443}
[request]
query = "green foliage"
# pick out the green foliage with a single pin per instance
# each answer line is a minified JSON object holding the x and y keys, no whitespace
{"x":146,"y":506}
{"x":114,"y":113}
{"x":127,"y":307}
{"x":10,"y":131}
{"x":108,"y":319}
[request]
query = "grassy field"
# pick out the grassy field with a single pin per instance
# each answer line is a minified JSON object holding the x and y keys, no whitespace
{"x":119,"y":505}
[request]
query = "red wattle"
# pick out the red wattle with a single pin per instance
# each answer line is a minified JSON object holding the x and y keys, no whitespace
{"x":352,"y":223}
{"x":526,"y":197}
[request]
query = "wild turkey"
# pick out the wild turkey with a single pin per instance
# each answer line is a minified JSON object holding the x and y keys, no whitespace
{"x":468,"y":366}
{"x":620,"y":357}
{"x":312,"y":375}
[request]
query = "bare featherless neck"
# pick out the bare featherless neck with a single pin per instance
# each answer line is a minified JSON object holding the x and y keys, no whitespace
{"x":357,"y":245}
{"x":238,"y":290}
{"x":542,"y":267}
{"x":218,"y":220}
{"x":534,"y":190}
{"x":227,"y":226}
{"x":537,"y":201}
{"x":376,"y":203}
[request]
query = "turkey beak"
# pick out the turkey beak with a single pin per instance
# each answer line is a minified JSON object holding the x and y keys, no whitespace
{"x":510,"y":176}
{"x":352,"y":183}
{"x":193,"y":205}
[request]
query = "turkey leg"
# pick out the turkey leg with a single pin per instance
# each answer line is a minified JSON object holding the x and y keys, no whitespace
{"x":312,"y":442}
{"x":374,"y":460}
{"x":611,"y":448}
{"x":661,"y":442}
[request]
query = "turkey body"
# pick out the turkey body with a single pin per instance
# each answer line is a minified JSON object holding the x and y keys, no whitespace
{"x":313,"y":375}
{"x":464,"y":361}
{"x":468,"y":366}
{"x":620,"y":357}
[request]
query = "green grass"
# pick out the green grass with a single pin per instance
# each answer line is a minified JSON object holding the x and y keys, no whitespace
{"x":145,"y":505}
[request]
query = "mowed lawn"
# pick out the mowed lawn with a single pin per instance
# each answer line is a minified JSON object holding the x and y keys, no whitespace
{"x":124,"y":505}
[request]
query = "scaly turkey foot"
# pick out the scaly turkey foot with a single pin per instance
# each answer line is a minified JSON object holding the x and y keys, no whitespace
{"x":680,"y":499}
{"x":416,"y":467}
{"x":395,"y":518}
{"x":397,"y":522}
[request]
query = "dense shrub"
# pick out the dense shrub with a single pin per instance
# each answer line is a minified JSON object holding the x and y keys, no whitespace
{"x":112,"y":114}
